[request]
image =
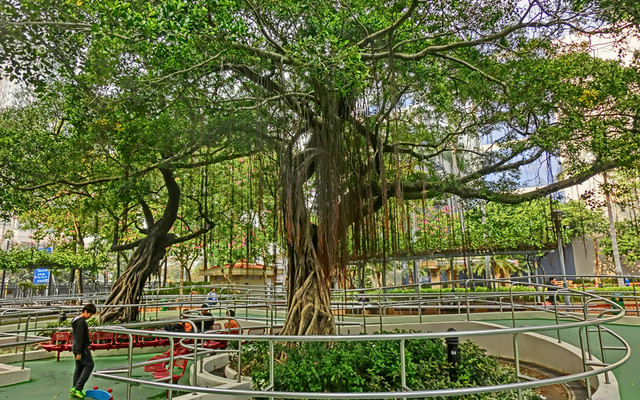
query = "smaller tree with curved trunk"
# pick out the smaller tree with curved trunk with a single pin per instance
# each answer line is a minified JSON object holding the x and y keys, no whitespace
{"x":149,"y":251}
{"x":135,"y":164}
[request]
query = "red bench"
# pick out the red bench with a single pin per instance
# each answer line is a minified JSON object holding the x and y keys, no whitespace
{"x":102,"y":341}
{"x":60,"y":341}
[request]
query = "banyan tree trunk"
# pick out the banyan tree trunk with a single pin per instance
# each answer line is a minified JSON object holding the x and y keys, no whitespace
{"x":309,"y":296}
{"x":308,"y":279}
{"x":128,"y":289}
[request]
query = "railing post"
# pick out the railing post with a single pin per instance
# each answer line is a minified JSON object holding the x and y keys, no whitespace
{"x":19,"y":323}
{"x":403,"y":377}
{"x":513,"y":311}
{"x":364,"y":316}
{"x":602,"y":354}
{"x":195,"y":358}
{"x":130,"y":360}
{"x":246,"y":303}
{"x":585,"y":315}
{"x":271,"y":368}
{"x":555,"y":309}
{"x":635,"y":298}
{"x":240,"y":358}
{"x":516,"y":361}
{"x":420,"y":302}
{"x":403,"y":368}
{"x":24,"y":347}
{"x":584,"y":361}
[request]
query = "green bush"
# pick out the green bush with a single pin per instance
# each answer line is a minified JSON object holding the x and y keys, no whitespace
{"x":187,"y":287}
{"x":614,"y":289}
{"x":374,"y":366}
{"x":40,"y":289}
{"x":51,"y":327}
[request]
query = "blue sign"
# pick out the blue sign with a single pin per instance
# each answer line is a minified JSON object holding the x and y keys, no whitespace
{"x":40,"y":276}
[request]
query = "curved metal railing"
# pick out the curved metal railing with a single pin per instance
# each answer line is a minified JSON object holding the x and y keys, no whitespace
{"x":578,"y":316}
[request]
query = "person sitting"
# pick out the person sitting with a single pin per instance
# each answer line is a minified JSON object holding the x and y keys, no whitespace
{"x":364,"y":299}
{"x":207,"y":324}
{"x":179,"y":327}
{"x":232,"y":325}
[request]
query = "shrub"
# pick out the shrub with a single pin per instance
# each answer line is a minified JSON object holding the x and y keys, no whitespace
{"x":201,"y":287}
{"x":51,"y":327}
{"x":40,"y":289}
{"x":374,"y":366}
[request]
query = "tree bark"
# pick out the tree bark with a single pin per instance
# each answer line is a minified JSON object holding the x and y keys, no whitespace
{"x":129,"y":287}
{"x":309,"y":294}
{"x":309,"y":270}
{"x":614,"y":236}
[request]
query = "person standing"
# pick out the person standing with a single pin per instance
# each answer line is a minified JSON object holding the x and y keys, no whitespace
{"x":80,"y":348}
{"x":553,"y":283}
{"x":212,"y":298}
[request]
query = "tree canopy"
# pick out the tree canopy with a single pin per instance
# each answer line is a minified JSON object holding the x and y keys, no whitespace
{"x":363,"y":105}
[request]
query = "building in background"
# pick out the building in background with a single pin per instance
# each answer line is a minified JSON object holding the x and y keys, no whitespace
{"x":240,"y":273}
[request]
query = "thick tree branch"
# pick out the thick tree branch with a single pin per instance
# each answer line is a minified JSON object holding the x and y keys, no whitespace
{"x":456,"y":45}
{"x":503,"y":165}
{"x":148,"y":215}
{"x":192,"y":235}
{"x":414,"y":191}
{"x":364,"y":42}
{"x":473,"y":68}
{"x":263,"y":27}
{"x":126,"y":246}
{"x":105,"y":179}
{"x":171,"y":210}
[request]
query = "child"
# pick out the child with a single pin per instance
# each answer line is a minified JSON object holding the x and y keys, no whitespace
{"x":80,"y":348}
{"x":212,"y":299}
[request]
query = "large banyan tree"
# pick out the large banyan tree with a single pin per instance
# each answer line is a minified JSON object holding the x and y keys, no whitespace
{"x":364,"y":103}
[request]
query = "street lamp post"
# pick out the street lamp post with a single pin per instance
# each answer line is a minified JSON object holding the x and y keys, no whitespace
{"x":556,"y":215}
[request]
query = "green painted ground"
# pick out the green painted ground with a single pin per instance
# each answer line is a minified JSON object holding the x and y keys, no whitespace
{"x":52,"y":380}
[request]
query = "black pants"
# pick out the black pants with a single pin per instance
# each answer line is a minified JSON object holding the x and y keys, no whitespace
{"x":84,"y":366}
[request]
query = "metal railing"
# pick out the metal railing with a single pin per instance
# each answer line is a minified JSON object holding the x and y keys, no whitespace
{"x":586,"y":314}
{"x":578,"y":317}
